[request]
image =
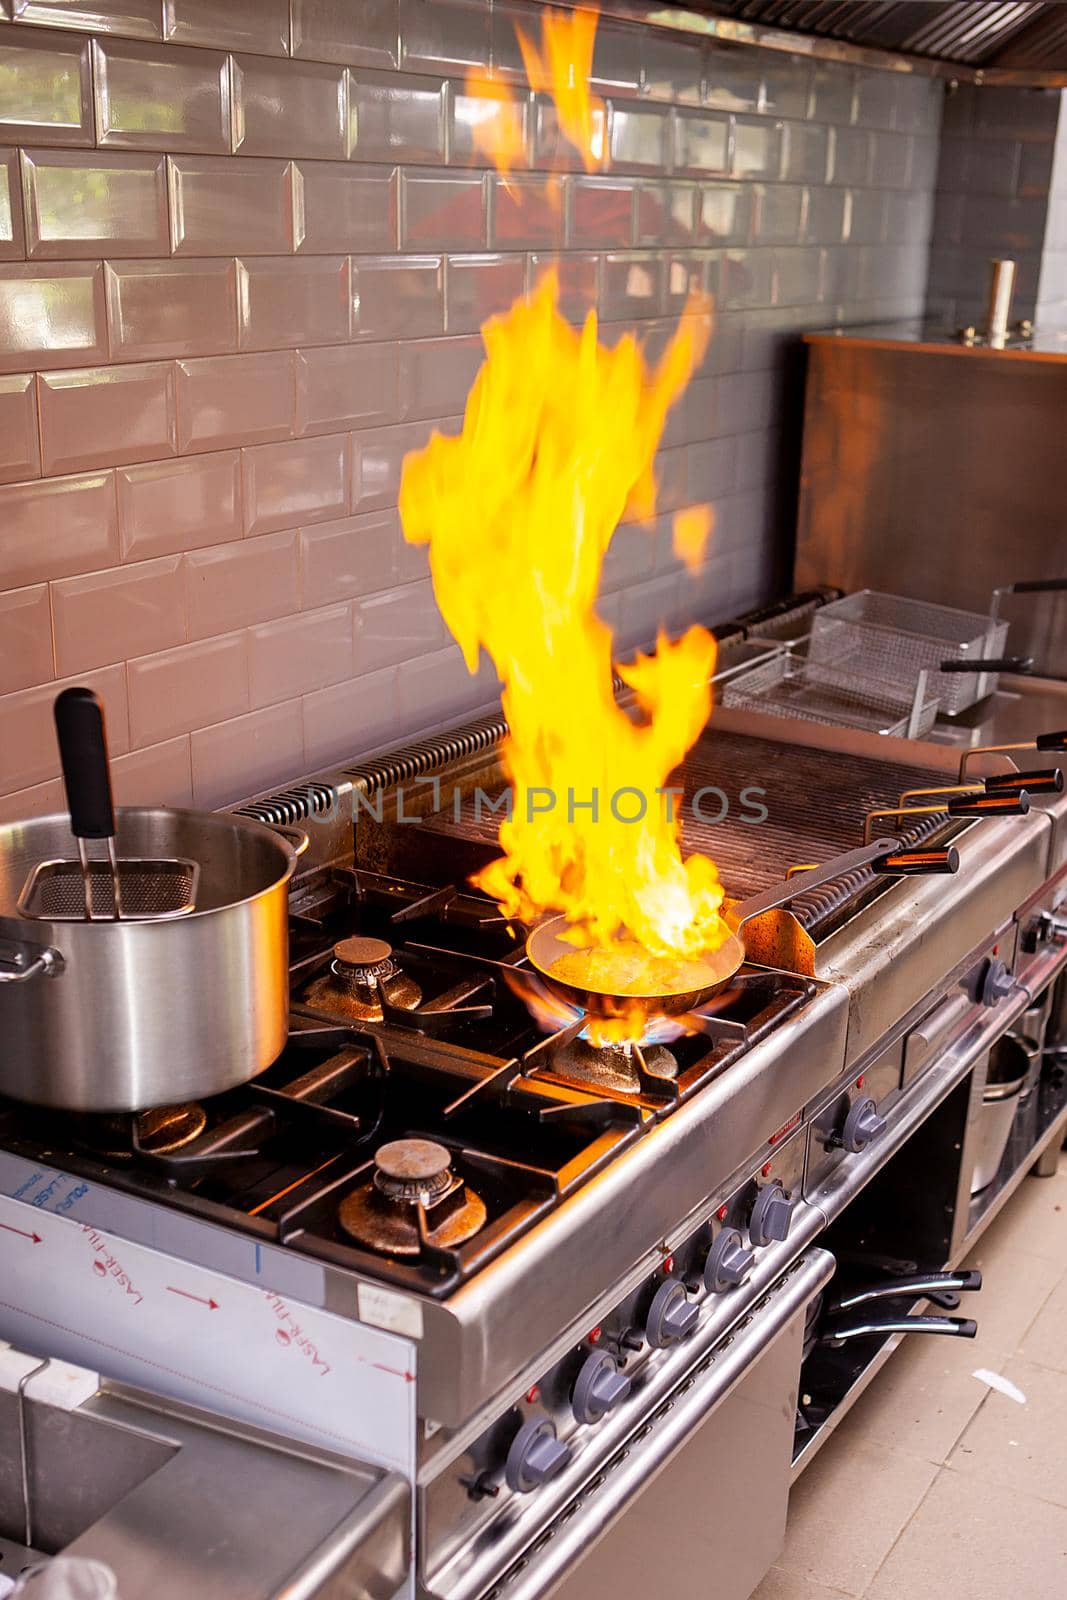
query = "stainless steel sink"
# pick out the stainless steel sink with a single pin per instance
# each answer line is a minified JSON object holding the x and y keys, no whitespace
{"x":180,"y":1503}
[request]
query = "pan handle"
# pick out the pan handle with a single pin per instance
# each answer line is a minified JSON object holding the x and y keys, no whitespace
{"x":1036,"y":586}
{"x":1017,"y":664}
{"x":780,"y":894}
{"x":83,"y":754}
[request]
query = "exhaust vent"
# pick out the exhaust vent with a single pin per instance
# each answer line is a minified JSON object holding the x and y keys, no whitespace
{"x":423,"y":757}
{"x":976,"y":33}
{"x":291,"y":806}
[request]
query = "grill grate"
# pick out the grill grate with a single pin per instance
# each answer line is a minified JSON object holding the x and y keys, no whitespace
{"x":815,"y":801}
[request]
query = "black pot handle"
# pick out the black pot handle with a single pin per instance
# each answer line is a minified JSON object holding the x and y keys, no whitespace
{"x":1016,"y":664}
{"x":1037,"y":586}
{"x":82,"y":739}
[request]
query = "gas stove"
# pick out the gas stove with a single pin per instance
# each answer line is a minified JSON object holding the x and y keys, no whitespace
{"x":411,"y":1025}
{"x":546,"y":1258}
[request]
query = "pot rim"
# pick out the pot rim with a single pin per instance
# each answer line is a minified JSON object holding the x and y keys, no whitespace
{"x":994,"y":1093}
{"x":212,"y":819}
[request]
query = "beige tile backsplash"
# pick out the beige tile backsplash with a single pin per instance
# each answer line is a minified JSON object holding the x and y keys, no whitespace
{"x":20,"y":451}
{"x":169,"y":506}
{"x":103,"y":416}
{"x":245,"y":251}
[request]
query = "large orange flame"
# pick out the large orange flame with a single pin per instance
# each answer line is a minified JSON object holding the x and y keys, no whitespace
{"x":558,"y":440}
{"x":561,"y":69}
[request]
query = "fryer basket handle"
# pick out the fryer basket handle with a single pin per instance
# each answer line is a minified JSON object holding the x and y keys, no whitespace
{"x":1017,"y":664}
{"x":79,"y":718}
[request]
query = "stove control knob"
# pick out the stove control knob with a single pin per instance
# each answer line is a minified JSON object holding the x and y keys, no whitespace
{"x":772,"y":1212}
{"x":729,"y":1262}
{"x":599,"y":1387}
{"x":672,"y":1316}
{"x":996,"y":982}
{"x":862,"y":1124}
{"x":536,"y":1455}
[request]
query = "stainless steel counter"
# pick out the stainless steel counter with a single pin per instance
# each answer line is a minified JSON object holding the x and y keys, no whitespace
{"x":1020,"y":709}
{"x":935,"y":470}
{"x":178,"y":1503}
{"x":933,"y":338}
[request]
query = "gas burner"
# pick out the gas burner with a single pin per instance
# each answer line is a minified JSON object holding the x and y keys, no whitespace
{"x":362,"y":971}
{"x":413,"y":1200}
{"x":413,"y":1169}
{"x":612,"y":1066}
{"x":123,"y":1136}
{"x":552,"y":1013}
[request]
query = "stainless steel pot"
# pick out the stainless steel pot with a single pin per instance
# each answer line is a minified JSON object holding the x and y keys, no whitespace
{"x":1009,"y":1066}
{"x":123,"y":1015}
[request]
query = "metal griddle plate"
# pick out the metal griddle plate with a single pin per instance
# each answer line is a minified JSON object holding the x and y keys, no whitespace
{"x":816,"y":801}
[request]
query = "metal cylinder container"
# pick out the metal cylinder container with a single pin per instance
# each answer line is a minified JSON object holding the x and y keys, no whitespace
{"x":125,"y":1015}
{"x":1009,"y":1067}
{"x":1030,"y":1030}
{"x":1001,"y":289}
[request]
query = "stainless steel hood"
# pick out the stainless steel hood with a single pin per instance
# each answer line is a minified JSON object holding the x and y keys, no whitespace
{"x":1021,"y":42}
{"x":1029,"y":32}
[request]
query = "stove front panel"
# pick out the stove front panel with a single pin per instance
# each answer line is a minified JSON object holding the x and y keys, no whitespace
{"x":76,"y":1292}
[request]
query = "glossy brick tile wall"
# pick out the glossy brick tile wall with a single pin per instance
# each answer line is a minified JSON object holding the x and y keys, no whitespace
{"x":1052,"y":284}
{"x":245,"y":249}
{"x":994,"y":188}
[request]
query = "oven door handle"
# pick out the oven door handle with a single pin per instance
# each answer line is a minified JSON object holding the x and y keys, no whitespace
{"x":925,"y":1283}
{"x":839,"y":1333}
{"x":585,"y":1509}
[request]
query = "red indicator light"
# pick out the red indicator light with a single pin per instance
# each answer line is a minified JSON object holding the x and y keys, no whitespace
{"x":533,"y":1395}
{"x":766,"y":1169}
{"x":721,"y":1213}
{"x":594,"y":1337}
{"x":668,"y":1265}
{"x":859,"y":1081}
{"x":788,"y":1127}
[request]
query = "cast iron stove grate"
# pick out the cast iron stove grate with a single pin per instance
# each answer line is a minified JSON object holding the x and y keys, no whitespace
{"x":278,"y":1157}
{"x":477,"y":989}
{"x":466,"y":1068}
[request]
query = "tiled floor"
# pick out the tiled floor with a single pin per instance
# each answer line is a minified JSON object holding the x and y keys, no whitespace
{"x":935,"y":1483}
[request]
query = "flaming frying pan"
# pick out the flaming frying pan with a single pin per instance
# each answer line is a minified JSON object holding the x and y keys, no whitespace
{"x":708,"y":974}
